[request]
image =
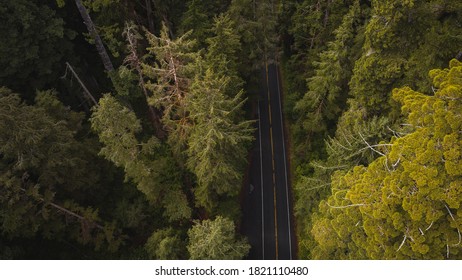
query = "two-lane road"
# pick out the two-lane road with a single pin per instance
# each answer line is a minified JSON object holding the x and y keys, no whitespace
{"x":267,"y":210}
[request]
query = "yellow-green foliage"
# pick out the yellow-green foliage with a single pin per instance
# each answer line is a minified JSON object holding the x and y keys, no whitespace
{"x":405,"y":204}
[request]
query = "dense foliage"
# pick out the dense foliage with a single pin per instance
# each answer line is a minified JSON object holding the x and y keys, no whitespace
{"x":161,"y":89}
{"x":125,"y":126}
{"x":368,"y":180}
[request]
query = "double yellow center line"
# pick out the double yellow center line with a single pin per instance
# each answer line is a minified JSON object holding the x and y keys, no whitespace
{"x":272,"y":160}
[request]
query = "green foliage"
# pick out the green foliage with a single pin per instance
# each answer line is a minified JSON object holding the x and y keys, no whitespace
{"x":311,"y":26}
{"x":348,"y":148}
{"x":146,"y":163}
{"x":169,"y":78}
{"x":34,"y":42}
{"x":202,"y":114}
{"x":391,"y":57}
{"x":108,"y":16}
{"x":327,"y":90}
{"x":165,"y":244}
{"x":216,"y":240}
{"x":266,"y":13}
{"x":222,"y":56}
{"x":326,"y":42}
{"x":42,"y":167}
{"x":198,"y":18}
{"x":99,"y":4}
{"x":242,"y":13}
{"x":401,"y":42}
{"x":405,"y":204}
{"x":218,"y":141}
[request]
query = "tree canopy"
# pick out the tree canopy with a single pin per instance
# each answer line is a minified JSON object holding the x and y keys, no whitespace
{"x":216,"y":240}
{"x":127,"y":127}
{"x":405,"y":204}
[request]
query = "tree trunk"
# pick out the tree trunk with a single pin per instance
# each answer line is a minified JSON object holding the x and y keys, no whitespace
{"x":98,"y":42}
{"x":135,"y":63}
{"x":150,"y":16}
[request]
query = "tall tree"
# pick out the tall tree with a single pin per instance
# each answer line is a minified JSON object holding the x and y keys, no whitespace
{"x":223,"y":52}
{"x":391,"y":57}
{"x":147,"y":163}
{"x":311,"y":27}
{"x":93,"y":33}
{"x":218,"y":141}
{"x":134,"y":62}
{"x":216,"y":240}
{"x":243,"y":13}
{"x":42,"y":168}
{"x":327,"y":89}
{"x":406,"y":203}
{"x":28,"y":61}
{"x":169,"y":77}
{"x":97,"y":39}
{"x":199,"y":18}
{"x":166,"y":244}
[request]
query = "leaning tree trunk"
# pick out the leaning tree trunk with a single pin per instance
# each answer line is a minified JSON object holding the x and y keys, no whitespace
{"x":98,"y":42}
{"x":134,"y":62}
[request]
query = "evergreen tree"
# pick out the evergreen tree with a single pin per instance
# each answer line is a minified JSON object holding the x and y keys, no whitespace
{"x":34,"y":43}
{"x":94,"y":35}
{"x":42,"y":170}
{"x":199,"y":18}
{"x":165,"y":244}
{"x":344,"y":151}
{"x":146,"y":163}
{"x":391,"y":57}
{"x":222,"y":56}
{"x":395,"y":38}
{"x":217,"y":144}
{"x":405,"y":204}
{"x":243,"y":13}
{"x":169,"y":81}
{"x":216,"y":240}
{"x":327,"y":89}
{"x":312,"y":26}
{"x":131,"y":71}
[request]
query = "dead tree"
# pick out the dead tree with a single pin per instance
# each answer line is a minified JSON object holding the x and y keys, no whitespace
{"x":94,"y":34}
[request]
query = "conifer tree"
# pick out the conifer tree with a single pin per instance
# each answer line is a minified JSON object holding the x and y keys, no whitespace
{"x":42,"y":171}
{"x":218,"y":140}
{"x":243,"y":13}
{"x":95,"y":36}
{"x":133,"y":68}
{"x":216,"y":240}
{"x":391,"y":57}
{"x":405,"y":204}
{"x":28,"y":61}
{"x":146,"y":163}
{"x":311,"y":27}
{"x":166,"y":244}
{"x":199,"y":18}
{"x":224,"y":48}
{"x":327,"y":89}
{"x":169,"y":78}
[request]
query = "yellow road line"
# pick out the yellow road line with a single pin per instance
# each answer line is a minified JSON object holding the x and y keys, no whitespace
{"x":275,"y":218}
{"x":272,"y":161}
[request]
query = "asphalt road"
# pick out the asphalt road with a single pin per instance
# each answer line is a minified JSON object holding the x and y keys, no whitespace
{"x":266,"y":204}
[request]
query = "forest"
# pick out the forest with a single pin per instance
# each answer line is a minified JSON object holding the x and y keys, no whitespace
{"x":126,"y":126}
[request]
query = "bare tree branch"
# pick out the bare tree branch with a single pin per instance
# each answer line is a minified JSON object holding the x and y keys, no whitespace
{"x":346,"y":206}
{"x":402,"y":243}
{"x":82,"y":85}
